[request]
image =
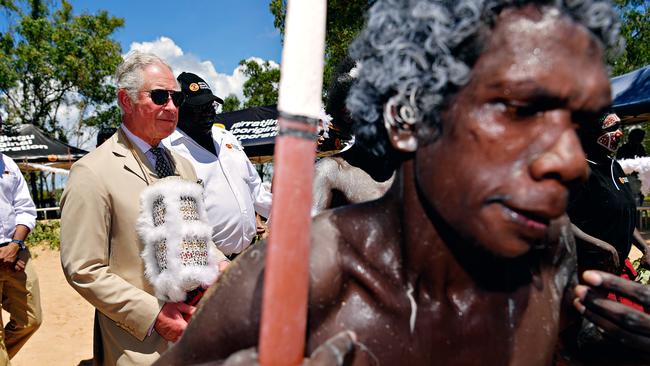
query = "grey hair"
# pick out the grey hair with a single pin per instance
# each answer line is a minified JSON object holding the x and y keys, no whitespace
{"x":415,"y":54}
{"x":129,"y":72}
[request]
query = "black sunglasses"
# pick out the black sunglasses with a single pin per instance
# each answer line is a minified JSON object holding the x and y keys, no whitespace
{"x":161,"y":96}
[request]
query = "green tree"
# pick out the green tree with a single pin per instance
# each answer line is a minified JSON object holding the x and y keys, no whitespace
{"x":345,"y":18}
{"x":231,"y":103}
{"x":51,"y":59}
{"x":635,"y":29}
{"x":261,"y":88}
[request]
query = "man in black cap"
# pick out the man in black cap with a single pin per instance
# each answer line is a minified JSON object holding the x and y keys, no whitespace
{"x":233,"y":188}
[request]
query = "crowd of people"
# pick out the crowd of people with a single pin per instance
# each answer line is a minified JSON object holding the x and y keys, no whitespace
{"x":480,"y":215}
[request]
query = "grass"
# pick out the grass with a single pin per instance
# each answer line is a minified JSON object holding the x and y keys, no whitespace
{"x":45,"y":233}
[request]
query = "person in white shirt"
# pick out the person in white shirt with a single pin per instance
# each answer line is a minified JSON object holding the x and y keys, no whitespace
{"x":18,"y":280}
{"x":233,"y":189}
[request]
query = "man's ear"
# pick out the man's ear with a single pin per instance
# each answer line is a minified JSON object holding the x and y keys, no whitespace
{"x":401,"y":133}
{"x":124,"y":100}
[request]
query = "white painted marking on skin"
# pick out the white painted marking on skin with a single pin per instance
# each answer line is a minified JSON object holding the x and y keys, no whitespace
{"x":511,"y":313}
{"x":367,"y":350}
{"x":414,"y":307}
{"x":531,"y":57}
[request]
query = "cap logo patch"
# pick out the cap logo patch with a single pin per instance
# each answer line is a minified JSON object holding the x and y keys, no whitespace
{"x":194,"y":87}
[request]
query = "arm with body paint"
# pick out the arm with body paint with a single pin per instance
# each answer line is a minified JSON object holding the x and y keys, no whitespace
{"x":584,"y":239}
{"x":324,"y":172}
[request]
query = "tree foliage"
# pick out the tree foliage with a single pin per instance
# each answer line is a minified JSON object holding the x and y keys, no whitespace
{"x":52,"y":60}
{"x":345,"y":18}
{"x":635,"y":29}
{"x":231,"y":103}
{"x":261,"y":88}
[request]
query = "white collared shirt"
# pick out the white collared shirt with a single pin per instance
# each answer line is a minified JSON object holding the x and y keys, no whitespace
{"x":233,"y":189}
{"x":142,"y":145}
{"x":16,"y":205}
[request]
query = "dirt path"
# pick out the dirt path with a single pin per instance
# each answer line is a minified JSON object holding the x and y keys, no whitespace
{"x":65,"y":337}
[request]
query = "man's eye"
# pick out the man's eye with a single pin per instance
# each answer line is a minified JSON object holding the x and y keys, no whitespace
{"x":527,"y":111}
{"x":521,"y":110}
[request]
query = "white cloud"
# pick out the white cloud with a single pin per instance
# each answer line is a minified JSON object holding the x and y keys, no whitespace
{"x":222,"y":84}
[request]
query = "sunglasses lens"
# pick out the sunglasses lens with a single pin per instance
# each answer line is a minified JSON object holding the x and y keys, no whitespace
{"x":178,"y":98}
{"x":159,"y":96}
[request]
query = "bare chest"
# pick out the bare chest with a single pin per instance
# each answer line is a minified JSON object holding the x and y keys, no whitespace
{"x":464,"y":327}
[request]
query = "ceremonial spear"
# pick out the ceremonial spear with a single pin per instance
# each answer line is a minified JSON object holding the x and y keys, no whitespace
{"x":286,"y":277}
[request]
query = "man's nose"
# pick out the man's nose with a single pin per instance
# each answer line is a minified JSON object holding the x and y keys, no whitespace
{"x":564,"y":160}
{"x":169,"y":105}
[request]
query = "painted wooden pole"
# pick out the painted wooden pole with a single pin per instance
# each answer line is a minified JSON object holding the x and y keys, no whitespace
{"x":286,"y":277}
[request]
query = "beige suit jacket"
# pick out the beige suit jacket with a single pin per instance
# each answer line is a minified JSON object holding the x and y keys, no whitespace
{"x":100,"y":249}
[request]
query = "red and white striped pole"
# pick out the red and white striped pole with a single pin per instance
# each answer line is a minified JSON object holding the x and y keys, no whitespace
{"x":286,"y":277}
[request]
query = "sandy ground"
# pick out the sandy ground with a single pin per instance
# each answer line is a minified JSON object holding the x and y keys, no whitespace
{"x":65,"y":337}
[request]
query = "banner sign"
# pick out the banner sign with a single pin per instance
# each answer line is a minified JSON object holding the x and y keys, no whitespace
{"x":255,"y":128}
{"x":251,"y":132}
{"x":27,"y":143}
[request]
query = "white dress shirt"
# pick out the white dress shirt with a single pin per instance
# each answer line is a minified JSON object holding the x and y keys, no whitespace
{"x":16,"y":205}
{"x":233,"y":189}
{"x":141,"y":145}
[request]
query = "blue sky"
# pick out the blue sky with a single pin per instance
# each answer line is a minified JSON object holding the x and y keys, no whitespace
{"x":206,"y":37}
{"x":220,"y":31}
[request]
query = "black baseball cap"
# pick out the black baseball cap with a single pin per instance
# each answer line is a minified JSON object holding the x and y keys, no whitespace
{"x":197,"y":91}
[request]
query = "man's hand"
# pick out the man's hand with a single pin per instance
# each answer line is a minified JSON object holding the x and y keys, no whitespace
{"x":330,"y":353}
{"x":223,"y":265}
{"x":8,"y":254}
{"x":20,"y":265}
{"x":170,"y":323}
{"x":618,"y":321}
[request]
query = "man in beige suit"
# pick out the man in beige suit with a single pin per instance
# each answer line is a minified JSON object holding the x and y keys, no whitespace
{"x":100,"y":250}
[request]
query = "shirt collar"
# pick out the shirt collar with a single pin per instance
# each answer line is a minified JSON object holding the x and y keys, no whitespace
{"x":138,"y":142}
{"x":177,"y":135}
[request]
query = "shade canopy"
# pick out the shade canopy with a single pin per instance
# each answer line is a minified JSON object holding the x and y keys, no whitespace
{"x":631,"y":96}
{"x":27,"y":145}
{"x":255,"y":128}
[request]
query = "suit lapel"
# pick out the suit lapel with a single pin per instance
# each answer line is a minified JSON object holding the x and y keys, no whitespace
{"x":123,"y":148}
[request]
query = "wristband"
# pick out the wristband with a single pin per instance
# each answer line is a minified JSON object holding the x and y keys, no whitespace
{"x":21,"y":243}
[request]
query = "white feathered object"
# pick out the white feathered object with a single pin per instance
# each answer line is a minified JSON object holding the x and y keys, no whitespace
{"x":178,"y":252}
{"x":640,"y":165}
